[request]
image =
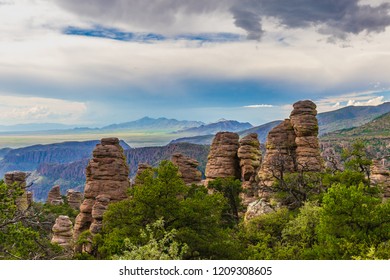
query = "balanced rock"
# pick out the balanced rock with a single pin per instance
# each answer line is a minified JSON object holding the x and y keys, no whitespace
{"x":380,"y":175}
{"x":107,"y":174}
{"x":223,"y":160}
{"x":249,"y":155}
{"x":305,"y":124}
{"x":18,"y":179}
{"x":54,"y":196}
{"x":74,"y":198}
{"x":63,"y":232}
{"x":187,"y":168}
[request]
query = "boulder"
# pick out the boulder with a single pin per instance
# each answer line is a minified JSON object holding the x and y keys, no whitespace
{"x":74,"y":198}
{"x":63,"y":232}
{"x":187,"y":168}
{"x":54,"y":196}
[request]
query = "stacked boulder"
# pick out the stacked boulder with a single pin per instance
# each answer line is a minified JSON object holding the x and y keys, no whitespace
{"x":223,"y":160}
{"x":74,"y":198}
{"x":249,"y":155}
{"x":18,"y":179}
{"x":141,"y":168}
{"x":107,"y":181}
{"x":63,"y":232}
{"x":54,"y":196}
{"x":187,"y":168}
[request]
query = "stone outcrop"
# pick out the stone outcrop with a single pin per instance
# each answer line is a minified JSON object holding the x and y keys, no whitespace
{"x":63,"y":232}
{"x":74,"y":198}
{"x":249,"y":155}
{"x":18,"y":179}
{"x":54,"y":196}
{"x":29,"y":198}
{"x":305,"y":124}
{"x":293,"y":145}
{"x":106,"y":179}
{"x":187,"y":168}
{"x":223,"y":160}
{"x":380,"y":175}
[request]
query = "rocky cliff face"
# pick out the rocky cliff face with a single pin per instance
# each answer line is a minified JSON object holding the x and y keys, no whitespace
{"x":63,"y":232}
{"x":187,"y":168}
{"x":249,"y":155}
{"x":107,"y":181}
{"x":223,"y":160}
{"x":54,"y":196}
{"x":17,"y":178}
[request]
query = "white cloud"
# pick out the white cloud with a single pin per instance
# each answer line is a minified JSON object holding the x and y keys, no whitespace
{"x":16,"y":110}
{"x":259,"y":106}
{"x":371,"y":102}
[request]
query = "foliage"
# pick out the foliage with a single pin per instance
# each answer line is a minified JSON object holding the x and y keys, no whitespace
{"x":195,"y":215}
{"x":230,"y":188}
{"x":356,"y":159}
{"x":155,"y":248}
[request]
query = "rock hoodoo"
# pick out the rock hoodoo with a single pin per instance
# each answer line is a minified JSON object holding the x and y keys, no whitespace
{"x":141,"y":168}
{"x":223,"y":160}
{"x":54,"y":196}
{"x":107,"y":181}
{"x":249,"y":155}
{"x":187,"y":168}
{"x":74,"y":198}
{"x":18,"y":178}
{"x":293,"y":145}
{"x":63,"y":232}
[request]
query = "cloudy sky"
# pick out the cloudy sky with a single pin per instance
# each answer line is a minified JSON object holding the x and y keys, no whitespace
{"x":96,"y":62}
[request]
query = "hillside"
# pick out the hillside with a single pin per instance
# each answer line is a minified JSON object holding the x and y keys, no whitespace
{"x":213,"y":128}
{"x":351,"y":116}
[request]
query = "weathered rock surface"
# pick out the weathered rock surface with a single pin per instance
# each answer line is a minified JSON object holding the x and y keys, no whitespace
{"x":280,"y":154}
{"x":63,"y":232}
{"x":74,"y":198}
{"x":223,"y":160}
{"x":380,"y":175}
{"x":29,"y":198}
{"x":257,"y":208}
{"x":18,"y":178}
{"x":107,"y":178}
{"x":187,"y":168}
{"x":249,"y":155}
{"x":305,"y":124}
{"x":54,"y":196}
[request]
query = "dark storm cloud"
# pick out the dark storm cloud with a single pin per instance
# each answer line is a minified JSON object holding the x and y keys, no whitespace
{"x":337,"y":18}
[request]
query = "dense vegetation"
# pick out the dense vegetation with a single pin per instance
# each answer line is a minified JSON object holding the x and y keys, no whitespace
{"x":340,"y":216}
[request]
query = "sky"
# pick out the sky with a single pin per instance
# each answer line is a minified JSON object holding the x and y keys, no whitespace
{"x":97,"y":62}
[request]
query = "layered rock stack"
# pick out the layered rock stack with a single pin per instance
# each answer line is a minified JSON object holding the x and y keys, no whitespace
{"x":141,"y":168}
{"x":280,"y":155}
{"x":380,"y":175}
{"x":54,"y":196}
{"x":74,"y":198}
{"x":18,"y":179}
{"x":107,"y":179}
{"x":305,"y":124}
{"x":187,"y":168}
{"x":223,"y":160}
{"x":293,"y":145}
{"x":249,"y":155}
{"x":63,"y":232}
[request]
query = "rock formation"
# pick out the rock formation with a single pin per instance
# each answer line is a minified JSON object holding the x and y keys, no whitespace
{"x":29,"y":198}
{"x":74,"y":198}
{"x":292,"y":145}
{"x":63,"y":232}
{"x":107,"y":179}
{"x":187,"y":168}
{"x":54,"y":196}
{"x":249,"y":155}
{"x":18,"y":179}
{"x":223,"y":160}
{"x":305,"y":124}
{"x":380,"y":175}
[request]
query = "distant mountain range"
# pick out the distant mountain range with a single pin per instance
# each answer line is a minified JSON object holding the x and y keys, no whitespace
{"x":213,"y":128}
